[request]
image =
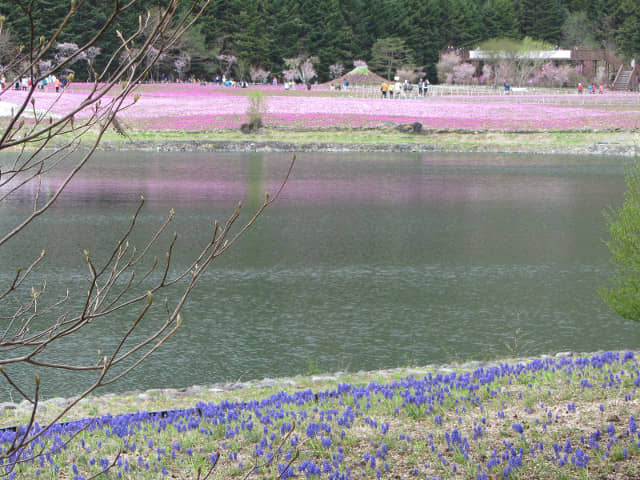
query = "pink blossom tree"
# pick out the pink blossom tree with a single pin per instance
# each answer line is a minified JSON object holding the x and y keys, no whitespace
{"x":336,"y":70}
{"x":552,"y":75}
{"x":301,"y":67}
{"x":505,"y":72}
{"x":487,"y":74}
{"x":290,"y":75}
{"x":307,"y":71}
{"x":67,"y":54}
{"x":445,"y":67}
{"x":463,"y":73}
{"x":226,"y":63}
{"x":515,"y":61}
{"x":153,"y":58}
{"x":601,"y":75}
{"x":182,"y":64}
{"x":408,"y":73}
{"x":45,"y":66}
{"x":90,"y":56}
{"x":258,"y":74}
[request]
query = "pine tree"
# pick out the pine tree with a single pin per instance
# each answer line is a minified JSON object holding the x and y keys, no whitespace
{"x":541,"y":20}
{"x":500,"y":19}
{"x":424,"y":34}
{"x":628,"y":34}
{"x":462,"y":26}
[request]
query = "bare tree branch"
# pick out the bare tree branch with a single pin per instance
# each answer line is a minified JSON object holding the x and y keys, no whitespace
{"x":123,"y":280}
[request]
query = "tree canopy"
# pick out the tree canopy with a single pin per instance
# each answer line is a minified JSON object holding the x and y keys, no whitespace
{"x":261,"y":34}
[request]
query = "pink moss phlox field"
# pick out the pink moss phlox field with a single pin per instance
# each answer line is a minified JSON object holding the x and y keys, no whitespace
{"x":190,"y":107}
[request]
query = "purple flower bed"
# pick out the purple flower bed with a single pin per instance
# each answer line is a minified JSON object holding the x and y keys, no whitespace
{"x":204,"y":108}
{"x":436,"y":426}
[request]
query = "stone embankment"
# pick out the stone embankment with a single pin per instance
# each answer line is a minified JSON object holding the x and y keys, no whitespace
{"x":267,"y":146}
{"x":613,"y":149}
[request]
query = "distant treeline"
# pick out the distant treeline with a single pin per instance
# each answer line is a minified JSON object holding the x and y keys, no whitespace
{"x":260,"y":34}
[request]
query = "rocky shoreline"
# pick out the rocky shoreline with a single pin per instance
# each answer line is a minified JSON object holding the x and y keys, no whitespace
{"x":249,"y":146}
{"x":138,"y":399}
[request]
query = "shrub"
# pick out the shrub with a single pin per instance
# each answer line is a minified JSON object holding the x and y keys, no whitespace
{"x":624,"y":244}
{"x":255,"y":112}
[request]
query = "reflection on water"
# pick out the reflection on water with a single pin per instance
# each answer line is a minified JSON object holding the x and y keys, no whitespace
{"x":366,"y":261}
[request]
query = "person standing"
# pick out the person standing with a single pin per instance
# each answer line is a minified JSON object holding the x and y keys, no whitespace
{"x":384,"y":88}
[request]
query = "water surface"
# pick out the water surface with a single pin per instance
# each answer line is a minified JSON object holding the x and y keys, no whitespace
{"x":366,"y":261}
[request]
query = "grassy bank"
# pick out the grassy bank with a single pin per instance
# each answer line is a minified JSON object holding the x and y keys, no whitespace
{"x":607,"y":142}
{"x":551,"y":418}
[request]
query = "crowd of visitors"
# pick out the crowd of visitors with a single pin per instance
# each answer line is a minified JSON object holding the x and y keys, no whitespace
{"x":402,"y":89}
{"x":592,"y":88}
{"x":25,"y":82}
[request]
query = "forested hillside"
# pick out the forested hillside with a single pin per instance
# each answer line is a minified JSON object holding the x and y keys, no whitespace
{"x":239,"y":36}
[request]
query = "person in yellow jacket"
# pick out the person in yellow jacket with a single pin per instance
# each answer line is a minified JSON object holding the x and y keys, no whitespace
{"x":392,"y":87}
{"x":384,"y":88}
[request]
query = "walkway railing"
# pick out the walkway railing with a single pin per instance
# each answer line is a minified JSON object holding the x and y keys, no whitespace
{"x":472,"y":93}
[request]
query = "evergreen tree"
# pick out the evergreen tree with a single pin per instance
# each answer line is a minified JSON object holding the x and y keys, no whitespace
{"x":263,"y":32}
{"x":424,"y":34}
{"x":334,"y":38}
{"x":203,"y":59}
{"x":353,"y":12}
{"x":541,"y":20}
{"x":462,"y":26}
{"x":500,"y":19}
{"x":628,"y":34}
{"x":387,"y":54}
{"x":384,"y":18}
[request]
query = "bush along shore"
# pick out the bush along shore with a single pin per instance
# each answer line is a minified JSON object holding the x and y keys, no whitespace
{"x":552,"y":417}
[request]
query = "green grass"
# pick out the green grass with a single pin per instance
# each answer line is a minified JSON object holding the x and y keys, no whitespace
{"x":532,"y":142}
{"x":440,"y":140}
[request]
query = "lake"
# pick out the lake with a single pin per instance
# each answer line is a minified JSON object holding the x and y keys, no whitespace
{"x":366,"y":261}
